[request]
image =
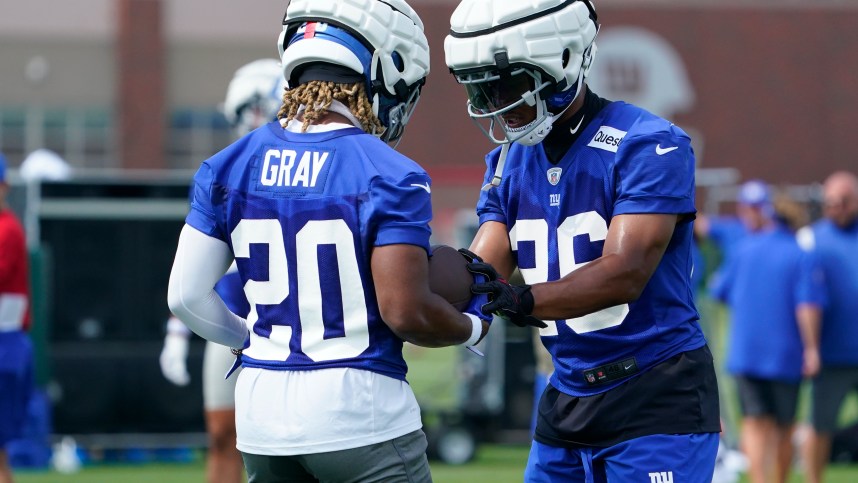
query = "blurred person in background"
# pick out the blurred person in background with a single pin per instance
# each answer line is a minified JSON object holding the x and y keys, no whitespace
{"x":775,"y":295}
{"x":833,"y":240}
{"x":753,"y":205}
{"x":329,"y":228}
{"x":593,"y":201}
{"x":253,"y":98}
{"x":16,"y":350}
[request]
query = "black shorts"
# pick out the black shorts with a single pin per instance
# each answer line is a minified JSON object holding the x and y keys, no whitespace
{"x":830,"y":388}
{"x":678,"y":396}
{"x":768,"y":397}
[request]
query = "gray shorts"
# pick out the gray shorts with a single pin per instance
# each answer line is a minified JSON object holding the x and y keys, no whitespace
{"x":767,"y":397}
{"x":400,"y":460}
{"x":830,"y":388}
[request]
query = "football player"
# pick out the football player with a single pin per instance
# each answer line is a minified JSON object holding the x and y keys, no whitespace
{"x":329,"y":229}
{"x":593,"y":201}
{"x":253,"y":98}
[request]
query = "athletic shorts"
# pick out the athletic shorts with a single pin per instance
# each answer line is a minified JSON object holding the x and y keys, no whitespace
{"x":678,"y":396}
{"x":218,"y":393}
{"x":829,"y":390}
{"x":767,"y":397}
{"x":400,"y":460}
{"x":658,"y":458}
{"x":16,"y":383}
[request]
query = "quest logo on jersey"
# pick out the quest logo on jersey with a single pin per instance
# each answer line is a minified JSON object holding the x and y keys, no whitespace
{"x":288,"y":168}
{"x":607,"y":138}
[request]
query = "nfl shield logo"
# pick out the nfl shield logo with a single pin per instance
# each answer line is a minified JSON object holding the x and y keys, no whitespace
{"x":554,"y":175}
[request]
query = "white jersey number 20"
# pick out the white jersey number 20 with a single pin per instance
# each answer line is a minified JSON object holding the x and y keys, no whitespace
{"x":276,"y":289}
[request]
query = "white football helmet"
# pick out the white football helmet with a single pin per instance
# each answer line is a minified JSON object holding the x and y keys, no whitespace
{"x":382,"y":40}
{"x":254,"y":95}
{"x":509,"y":53}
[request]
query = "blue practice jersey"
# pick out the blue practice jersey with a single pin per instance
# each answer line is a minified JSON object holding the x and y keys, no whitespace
{"x":626,"y":161}
{"x":302,"y":213}
{"x":837,"y":252}
{"x":766,"y":279}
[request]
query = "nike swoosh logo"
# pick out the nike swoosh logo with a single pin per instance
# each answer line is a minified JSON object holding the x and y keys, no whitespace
{"x":660,"y":150}
{"x":427,"y":188}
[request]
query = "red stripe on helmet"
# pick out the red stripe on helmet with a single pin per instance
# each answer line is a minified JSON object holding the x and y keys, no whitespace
{"x":310,"y":30}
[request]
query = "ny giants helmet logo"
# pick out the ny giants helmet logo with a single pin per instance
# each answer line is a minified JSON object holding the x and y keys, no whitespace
{"x":554,"y":175}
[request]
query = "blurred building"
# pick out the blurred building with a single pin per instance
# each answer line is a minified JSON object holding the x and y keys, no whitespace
{"x":766,"y":86}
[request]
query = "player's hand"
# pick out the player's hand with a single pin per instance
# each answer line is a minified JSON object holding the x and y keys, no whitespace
{"x":478,"y":301}
{"x":811,"y":363}
{"x":513,"y":302}
{"x":173,"y":359}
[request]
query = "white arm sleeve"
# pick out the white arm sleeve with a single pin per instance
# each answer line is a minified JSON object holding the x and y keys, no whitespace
{"x":200,"y":262}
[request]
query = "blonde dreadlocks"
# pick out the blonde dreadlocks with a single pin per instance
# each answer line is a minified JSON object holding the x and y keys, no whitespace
{"x":316,"y":96}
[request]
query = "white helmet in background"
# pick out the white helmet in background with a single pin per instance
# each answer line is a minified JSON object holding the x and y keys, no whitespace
{"x":254,"y":95}
{"x":544,"y":46}
{"x":45,"y":165}
{"x":379,"y":42}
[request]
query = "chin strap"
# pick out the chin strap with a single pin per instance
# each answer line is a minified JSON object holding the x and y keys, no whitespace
{"x":496,"y":179}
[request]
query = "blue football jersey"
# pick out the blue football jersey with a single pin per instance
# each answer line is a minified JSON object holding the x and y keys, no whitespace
{"x":625,"y":161}
{"x":302,"y":213}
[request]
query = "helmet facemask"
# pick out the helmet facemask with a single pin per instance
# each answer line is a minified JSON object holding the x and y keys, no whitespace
{"x":494,"y":95}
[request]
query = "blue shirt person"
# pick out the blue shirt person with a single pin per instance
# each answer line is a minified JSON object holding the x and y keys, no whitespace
{"x":834,"y":240}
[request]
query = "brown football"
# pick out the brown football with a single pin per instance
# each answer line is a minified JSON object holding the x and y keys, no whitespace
{"x":449,"y":276}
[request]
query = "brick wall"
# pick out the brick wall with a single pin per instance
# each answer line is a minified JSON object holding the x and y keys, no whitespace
{"x":141,"y":88}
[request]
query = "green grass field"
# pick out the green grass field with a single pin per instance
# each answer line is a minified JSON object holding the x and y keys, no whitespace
{"x":493,"y":464}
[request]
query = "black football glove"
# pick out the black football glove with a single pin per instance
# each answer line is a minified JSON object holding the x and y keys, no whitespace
{"x":470,"y":256}
{"x":512,"y":302}
{"x":478,"y":301}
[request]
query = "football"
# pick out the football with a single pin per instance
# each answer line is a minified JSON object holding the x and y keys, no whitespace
{"x":449,"y":276}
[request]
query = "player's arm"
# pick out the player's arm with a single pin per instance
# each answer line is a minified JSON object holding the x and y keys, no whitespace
{"x":633,"y":249}
{"x":416,"y":314}
{"x":200,"y":262}
{"x":491,"y":243}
